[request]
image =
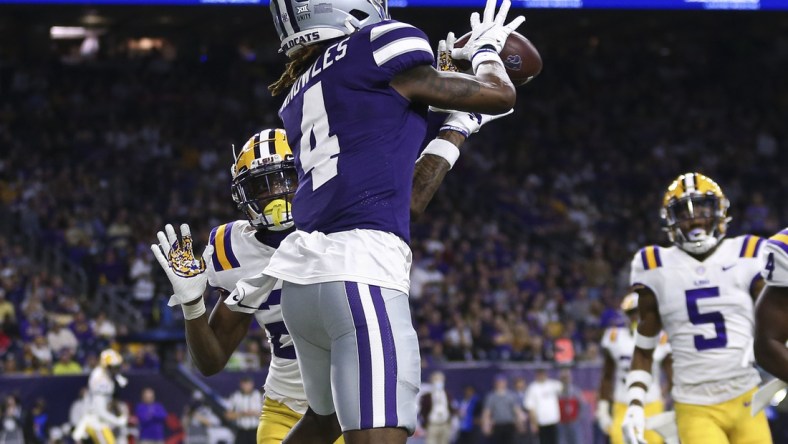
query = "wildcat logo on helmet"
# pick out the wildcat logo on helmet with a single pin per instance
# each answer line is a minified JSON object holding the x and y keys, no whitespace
{"x":301,"y":40}
{"x":513,"y":62}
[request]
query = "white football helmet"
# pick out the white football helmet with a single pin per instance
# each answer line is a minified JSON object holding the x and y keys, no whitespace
{"x":306,"y":22}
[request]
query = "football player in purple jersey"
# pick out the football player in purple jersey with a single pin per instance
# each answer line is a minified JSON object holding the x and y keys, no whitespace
{"x":356,"y":93}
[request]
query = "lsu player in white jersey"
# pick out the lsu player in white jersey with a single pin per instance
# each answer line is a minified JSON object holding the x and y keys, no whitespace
{"x":701,"y":292}
{"x":771,"y":312}
{"x":263,"y":182}
{"x":618,"y":343}
{"x":98,"y":421}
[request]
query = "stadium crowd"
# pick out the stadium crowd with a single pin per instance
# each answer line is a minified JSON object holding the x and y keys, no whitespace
{"x":522,"y":256}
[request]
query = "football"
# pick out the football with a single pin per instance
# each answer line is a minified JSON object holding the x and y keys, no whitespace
{"x":519,"y":55}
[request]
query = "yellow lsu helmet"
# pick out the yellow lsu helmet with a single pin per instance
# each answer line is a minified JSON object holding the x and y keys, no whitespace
{"x":264,"y":179}
{"x":110,"y":358}
{"x":695,"y":213}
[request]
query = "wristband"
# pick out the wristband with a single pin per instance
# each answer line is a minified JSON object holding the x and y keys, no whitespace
{"x":646,"y":342}
{"x":639,"y":376}
{"x":193,"y":311}
{"x":485,"y":54}
{"x":456,"y":129}
{"x":636,"y":394}
{"x":443,"y":148}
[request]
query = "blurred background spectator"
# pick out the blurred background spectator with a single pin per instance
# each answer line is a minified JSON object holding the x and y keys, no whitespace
{"x":151,"y":417}
{"x":571,"y":405}
{"x":502,"y":414}
{"x":244,"y":411}
{"x":542,"y":403}
{"x":436,"y":410}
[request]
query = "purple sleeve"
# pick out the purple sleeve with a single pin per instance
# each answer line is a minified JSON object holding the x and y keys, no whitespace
{"x":161,"y":413}
{"x":397,"y":47}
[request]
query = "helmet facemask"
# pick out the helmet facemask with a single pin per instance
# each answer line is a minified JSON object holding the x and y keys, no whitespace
{"x":696,"y":223}
{"x":264,"y":195}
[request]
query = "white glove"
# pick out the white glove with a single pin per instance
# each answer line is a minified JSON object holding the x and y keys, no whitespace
{"x":634,"y":425}
{"x":468,"y":123}
{"x":603,"y":417}
{"x":121,"y":380}
{"x":664,"y":424}
{"x":489,"y":32}
{"x":186,"y":272}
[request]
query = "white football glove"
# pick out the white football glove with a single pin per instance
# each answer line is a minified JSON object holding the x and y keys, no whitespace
{"x":468,"y":123}
{"x":664,"y":424}
{"x":634,"y":425}
{"x":186,"y":272}
{"x":603,"y":418}
{"x":490,"y":31}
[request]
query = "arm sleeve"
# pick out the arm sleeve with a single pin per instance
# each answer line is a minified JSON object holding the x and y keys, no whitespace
{"x":161,"y":412}
{"x":775,"y":260}
{"x":397,"y":47}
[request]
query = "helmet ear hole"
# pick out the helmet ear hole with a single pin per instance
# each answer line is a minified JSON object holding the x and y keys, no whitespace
{"x":359,"y":15}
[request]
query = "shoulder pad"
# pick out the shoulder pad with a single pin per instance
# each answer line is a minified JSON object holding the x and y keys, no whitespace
{"x":780,"y":240}
{"x":223,"y":257}
{"x":750,"y":246}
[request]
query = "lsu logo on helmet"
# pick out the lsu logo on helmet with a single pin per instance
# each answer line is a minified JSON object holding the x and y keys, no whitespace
{"x":110,"y":358}
{"x":695,"y":213}
{"x":264,"y":179}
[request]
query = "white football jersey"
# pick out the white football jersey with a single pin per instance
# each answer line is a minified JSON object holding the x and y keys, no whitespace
{"x":101,"y":386}
{"x":775,"y":269}
{"x":363,"y":256}
{"x":707,"y":312}
{"x":238,"y":254}
{"x":620,"y":343}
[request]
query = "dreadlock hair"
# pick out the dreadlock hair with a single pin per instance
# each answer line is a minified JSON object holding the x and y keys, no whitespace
{"x":298,"y":64}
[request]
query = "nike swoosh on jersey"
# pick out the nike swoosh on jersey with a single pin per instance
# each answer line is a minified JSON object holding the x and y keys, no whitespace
{"x":724,"y":268}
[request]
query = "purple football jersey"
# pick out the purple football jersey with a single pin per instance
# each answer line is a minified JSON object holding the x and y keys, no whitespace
{"x":356,"y":139}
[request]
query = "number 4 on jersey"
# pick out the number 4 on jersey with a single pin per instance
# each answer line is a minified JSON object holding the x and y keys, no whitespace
{"x":319,"y":149}
{"x":770,"y":266}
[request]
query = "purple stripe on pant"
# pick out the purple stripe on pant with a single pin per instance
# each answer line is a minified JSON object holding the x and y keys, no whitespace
{"x":389,"y":356}
{"x":364,"y":355}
